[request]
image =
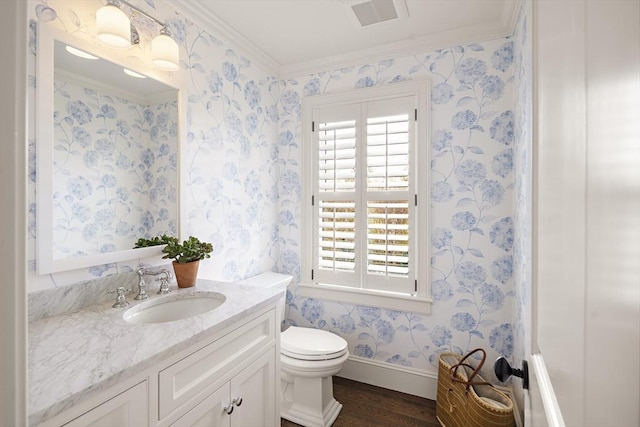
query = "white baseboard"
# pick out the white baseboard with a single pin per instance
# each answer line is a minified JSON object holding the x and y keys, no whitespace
{"x":392,"y":377}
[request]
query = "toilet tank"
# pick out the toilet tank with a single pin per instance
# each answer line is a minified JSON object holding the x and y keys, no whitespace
{"x":270,"y":279}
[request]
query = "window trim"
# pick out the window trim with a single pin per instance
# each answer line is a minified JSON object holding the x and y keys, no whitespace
{"x":419,"y":302}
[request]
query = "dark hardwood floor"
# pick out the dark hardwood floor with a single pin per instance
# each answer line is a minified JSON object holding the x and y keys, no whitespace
{"x":365,"y":405}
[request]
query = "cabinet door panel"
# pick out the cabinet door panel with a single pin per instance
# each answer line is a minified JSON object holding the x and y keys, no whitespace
{"x":128,"y":409}
{"x":256,"y":386}
{"x":210,"y":412}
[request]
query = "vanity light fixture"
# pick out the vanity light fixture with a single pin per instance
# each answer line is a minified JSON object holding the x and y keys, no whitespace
{"x":164,"y":51}
{"x":116,"y":29}
{"x":113,"y":26}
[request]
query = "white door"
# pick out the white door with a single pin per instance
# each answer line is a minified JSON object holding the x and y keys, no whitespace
{"x":585,"y":339}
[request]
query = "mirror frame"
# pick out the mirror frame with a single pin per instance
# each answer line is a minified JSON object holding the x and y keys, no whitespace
{"x":45,"y":147}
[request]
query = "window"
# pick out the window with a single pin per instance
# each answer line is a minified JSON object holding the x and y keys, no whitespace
{"x":365,"y":197}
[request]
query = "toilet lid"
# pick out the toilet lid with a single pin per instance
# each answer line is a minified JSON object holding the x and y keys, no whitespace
{"x":311,"y":344}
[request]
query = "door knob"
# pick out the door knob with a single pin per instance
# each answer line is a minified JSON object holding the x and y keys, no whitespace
{"x":503,"y":371}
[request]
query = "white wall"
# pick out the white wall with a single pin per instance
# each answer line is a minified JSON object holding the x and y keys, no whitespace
{"x":13,"y":308}
{"x":612,"y":319}
{"x":587,"y":234}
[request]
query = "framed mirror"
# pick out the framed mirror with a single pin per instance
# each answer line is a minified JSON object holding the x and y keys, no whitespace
{"x":108,"y":138}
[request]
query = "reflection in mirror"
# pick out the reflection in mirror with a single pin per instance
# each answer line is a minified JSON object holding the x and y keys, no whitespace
{"x":113,"y":161}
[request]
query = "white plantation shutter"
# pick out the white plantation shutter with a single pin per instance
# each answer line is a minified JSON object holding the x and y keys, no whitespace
{"x":364,"y":189}
{"x":335,"y":200}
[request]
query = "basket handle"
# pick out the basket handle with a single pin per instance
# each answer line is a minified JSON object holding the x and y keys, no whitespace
{"x":454,"y":369}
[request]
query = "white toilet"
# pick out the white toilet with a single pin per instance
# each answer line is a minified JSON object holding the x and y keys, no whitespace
{"x":308,"y":359}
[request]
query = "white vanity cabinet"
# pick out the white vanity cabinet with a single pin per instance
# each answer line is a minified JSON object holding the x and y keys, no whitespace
{"x":226,"y":380}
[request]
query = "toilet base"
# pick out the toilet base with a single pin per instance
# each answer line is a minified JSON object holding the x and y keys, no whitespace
{"x":309,"y":401}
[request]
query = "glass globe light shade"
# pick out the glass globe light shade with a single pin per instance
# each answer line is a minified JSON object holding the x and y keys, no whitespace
{"x":164,"y":52}
{"x":113,"y":26}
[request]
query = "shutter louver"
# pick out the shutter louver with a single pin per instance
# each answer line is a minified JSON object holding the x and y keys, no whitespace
{"x":388,"y":153}
{"x":388,"y":238}
{"x":337,"y":156}
{"x":336,"y":235}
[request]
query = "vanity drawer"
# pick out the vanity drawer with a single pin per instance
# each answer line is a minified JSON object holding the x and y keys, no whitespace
{"x":212,"y":365}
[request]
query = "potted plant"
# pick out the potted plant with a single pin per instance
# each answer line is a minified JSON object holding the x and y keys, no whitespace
{"x":186,"y":256}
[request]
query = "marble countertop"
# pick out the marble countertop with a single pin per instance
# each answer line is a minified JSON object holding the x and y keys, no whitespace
{"x":76,"y":355}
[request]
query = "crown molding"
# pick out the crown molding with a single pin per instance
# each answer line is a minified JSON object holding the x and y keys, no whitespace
{"x":511,"y":13}
{"x":201,"y":15}
{"x":459,"y":36}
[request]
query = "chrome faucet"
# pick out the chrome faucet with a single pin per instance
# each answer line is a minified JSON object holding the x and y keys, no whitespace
{"x":150,"y":271}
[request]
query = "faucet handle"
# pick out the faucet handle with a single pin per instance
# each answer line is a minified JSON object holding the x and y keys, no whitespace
{"x":121,"y":299}
{"x":164,"y":285}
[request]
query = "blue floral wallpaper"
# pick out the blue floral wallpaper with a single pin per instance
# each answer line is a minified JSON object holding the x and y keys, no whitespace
{"x":230,"y":159}
{"x":241,"y":169}
{"x":472,"y":239}
{"x":115,"y":169}
{"x":523,"y":176}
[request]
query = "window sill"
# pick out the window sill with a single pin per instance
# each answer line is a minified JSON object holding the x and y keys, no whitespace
{"x":386,"y":300}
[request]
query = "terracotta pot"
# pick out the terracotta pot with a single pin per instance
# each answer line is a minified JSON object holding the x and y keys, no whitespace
{"x":186,"y":273}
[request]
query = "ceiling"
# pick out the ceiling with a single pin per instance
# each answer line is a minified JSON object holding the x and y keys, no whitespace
{"x":299,"y":36}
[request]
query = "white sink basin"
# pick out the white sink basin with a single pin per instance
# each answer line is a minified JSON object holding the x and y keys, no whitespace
{"x":174,"y":307}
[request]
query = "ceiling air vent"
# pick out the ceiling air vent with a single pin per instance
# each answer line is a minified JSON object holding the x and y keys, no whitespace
{"x":375,"y":11}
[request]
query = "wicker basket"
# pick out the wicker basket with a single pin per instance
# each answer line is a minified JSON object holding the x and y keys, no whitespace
{"x":465,"y":399}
